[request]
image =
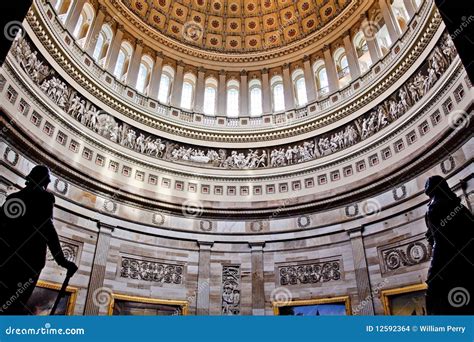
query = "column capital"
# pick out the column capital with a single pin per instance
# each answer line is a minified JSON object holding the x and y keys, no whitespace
{"x":326,"y":47}
{"x":205,"y":245}
{"x":180,"y":63}
{"x":243,"y":72}
{"x":346,"y":33}
{"x":264,"y":71}
{"x":306,"y":58}
{"x":202,"y":69}
{"x":159,"y":54}
{"x":257,"y":245}
{"x":120,"y":27}
{"x":139,"y":42}
{"x":222,"y":72}
{"x":286,"y":66}
{"x":355,"y":232}
{"x":105,"y":227}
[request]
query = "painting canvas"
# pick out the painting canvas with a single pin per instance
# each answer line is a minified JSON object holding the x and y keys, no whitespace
{"x":330,"y":309}
{"x":131,"y":308}
{"x":408,"y":304}
{"x":42,"y":300}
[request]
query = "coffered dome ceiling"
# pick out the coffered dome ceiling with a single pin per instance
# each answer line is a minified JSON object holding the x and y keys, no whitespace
{"x":236,"y":26}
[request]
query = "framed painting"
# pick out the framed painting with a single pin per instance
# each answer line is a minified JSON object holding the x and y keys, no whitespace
{"x":123,"y":305}
{"x":405,"y":301}
{"x":44,"y":295}
{"x":335,"y":306}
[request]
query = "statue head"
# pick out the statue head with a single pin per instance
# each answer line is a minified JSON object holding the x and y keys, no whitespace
{"x":436,"y":186}
{"x":38,"y":177}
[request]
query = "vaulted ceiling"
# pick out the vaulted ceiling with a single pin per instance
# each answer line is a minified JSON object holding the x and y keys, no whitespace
{"x":236,"y":26}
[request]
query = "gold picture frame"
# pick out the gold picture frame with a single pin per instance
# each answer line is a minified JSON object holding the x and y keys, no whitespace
{"x":72,"y":291}
{"x":181,"y":303}
{"x":386,"y":294}
{"x":331,"y":300}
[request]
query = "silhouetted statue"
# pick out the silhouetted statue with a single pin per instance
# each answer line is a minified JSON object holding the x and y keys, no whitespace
{"x":26,"y":229}
{"x":451,"y":236}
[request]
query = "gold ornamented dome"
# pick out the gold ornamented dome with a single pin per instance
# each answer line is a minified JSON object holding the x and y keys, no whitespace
{"x":235,"y":26}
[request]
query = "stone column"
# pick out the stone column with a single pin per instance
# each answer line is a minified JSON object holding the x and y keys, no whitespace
{"x":200,"y":89}
{"x":288,"y":87}
{"x":204,"y":278}
{"x":258,"y":284}
{"x":351,"y":54}
{"x":177,"y":85}
{"x":156,"y":76}
{"x":361,"y":272}
{"x":266,"y":93}
{"x":244,"y":94}
{"x":73,"y":16}
{"x":114,"y":50}
{"x":91,"y":41}
{"x":370,"y":38}
{"x":221,"y":94}
{"x":392,"y":26}
{"x":410,"y":7}
{"x":309,"y":79}
{"x":333,"y":80}
{"x":132,"y":73}
{"x":96,"y":281}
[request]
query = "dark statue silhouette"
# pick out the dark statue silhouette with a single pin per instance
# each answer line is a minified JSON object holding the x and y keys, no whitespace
{"x":26,"y":229}
{"x":451,"y":236}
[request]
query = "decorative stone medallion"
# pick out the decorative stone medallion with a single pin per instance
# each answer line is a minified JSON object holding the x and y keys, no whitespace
{"x":399,"y":193}
{"x":61,"y":186}
{"x":304,"y":221}
{"x":11,"y":156}
{"x":448,"y":165}
{"x":158,"y":219}
{"x":352,"y":210}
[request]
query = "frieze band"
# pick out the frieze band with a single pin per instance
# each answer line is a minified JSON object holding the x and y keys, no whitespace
{"x":132,"y":138}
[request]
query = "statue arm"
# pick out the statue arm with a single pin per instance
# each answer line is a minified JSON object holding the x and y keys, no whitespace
{"x":49,"y":232}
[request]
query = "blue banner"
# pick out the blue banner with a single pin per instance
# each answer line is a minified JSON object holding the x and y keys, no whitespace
{"x":237,"y":329}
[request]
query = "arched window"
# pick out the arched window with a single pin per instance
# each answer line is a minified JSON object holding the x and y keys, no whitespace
{"x":362,"y":50}
{"x":210,"y":96}
{"x":321,"y":77}
{"x":123,"y":61}
{"x":84,"y":24}
{"x":299,"y":84}
{"x":144,"y":74}
{"x":382,"y":36}
{"x":166,"y":81}
{"x":255,"y":91}
{"x":62,"y":8}
{"x":342,"y":67}
{"x":187,"y":94}
{"x":401,"y":14}
{"x":278,"y":93}
{"x":102,"y":45}
{"x":233,"y":98}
